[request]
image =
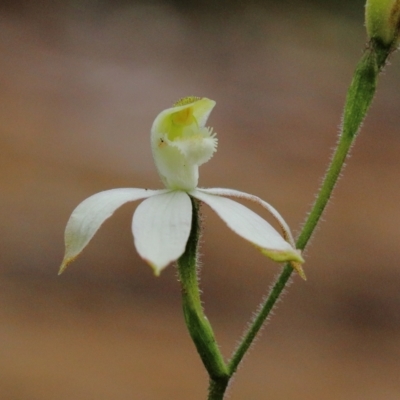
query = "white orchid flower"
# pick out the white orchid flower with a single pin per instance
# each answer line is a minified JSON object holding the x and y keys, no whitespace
{"x":162,"y":222}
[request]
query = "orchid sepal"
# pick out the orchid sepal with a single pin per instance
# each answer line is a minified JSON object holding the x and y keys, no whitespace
{"x":91,"y":213}
{"x":249,"y":225}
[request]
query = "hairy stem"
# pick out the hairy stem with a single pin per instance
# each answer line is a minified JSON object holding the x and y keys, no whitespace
{"x":197,"y":323}
{"x":358,"y":101}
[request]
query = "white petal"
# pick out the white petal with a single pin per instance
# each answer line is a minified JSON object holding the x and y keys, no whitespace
{"x":87,"y":218}
{"x":242,"y":195}
{"x":250,"y":226}
{"x":161,"y":227}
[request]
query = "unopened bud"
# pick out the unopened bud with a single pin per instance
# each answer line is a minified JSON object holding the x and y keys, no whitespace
{"x":382,"y":20}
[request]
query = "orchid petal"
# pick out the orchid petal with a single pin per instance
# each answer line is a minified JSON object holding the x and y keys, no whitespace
{"x":89,"y":215}
{"x":199,"y":108}
{"x":161,"y":227}
{"x":287,"y":234}
{"x":250,"y":226}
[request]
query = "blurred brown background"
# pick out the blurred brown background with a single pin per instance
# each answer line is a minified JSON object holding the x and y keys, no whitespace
{"x":81,"y":82}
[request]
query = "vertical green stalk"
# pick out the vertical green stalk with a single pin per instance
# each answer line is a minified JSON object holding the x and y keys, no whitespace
{"x":358,"y":101}
{"x":197,"y":323}
{"x":217,"y":388}
{"x":359,"y":97}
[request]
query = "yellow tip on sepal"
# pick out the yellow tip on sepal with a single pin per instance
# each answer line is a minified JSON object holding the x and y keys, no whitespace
{"x":65,"y":264}
{"x":299,"y":269}
{"x":62,"y":269}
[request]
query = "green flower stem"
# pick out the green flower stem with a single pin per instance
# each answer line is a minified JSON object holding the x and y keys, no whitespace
{"x":358,"y":101}
{"x":217,"y":388}
{"x":199,"y":328}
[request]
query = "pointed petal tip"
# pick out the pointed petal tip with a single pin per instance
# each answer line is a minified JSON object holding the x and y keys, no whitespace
{"x":293,"y":257}
{"x":65,"y":264}
{"x":299,"y":258}
{"x":161,"y":227}
{"x":156,"y":268}
{"x":288,"y":255}
{"x":297,"y":265}
{"x":299,"y":269}
{"x":62,"y":269}
{"x":156,"y":272}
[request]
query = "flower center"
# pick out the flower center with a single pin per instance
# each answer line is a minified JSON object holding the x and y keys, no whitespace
{"x":183,"y":124}
{"x":183,"y":117}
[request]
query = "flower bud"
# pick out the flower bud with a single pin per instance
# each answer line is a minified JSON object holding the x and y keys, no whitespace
{"x":382,"y":20}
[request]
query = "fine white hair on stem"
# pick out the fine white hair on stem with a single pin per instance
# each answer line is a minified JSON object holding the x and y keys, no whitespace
{"x":257,"y":312}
